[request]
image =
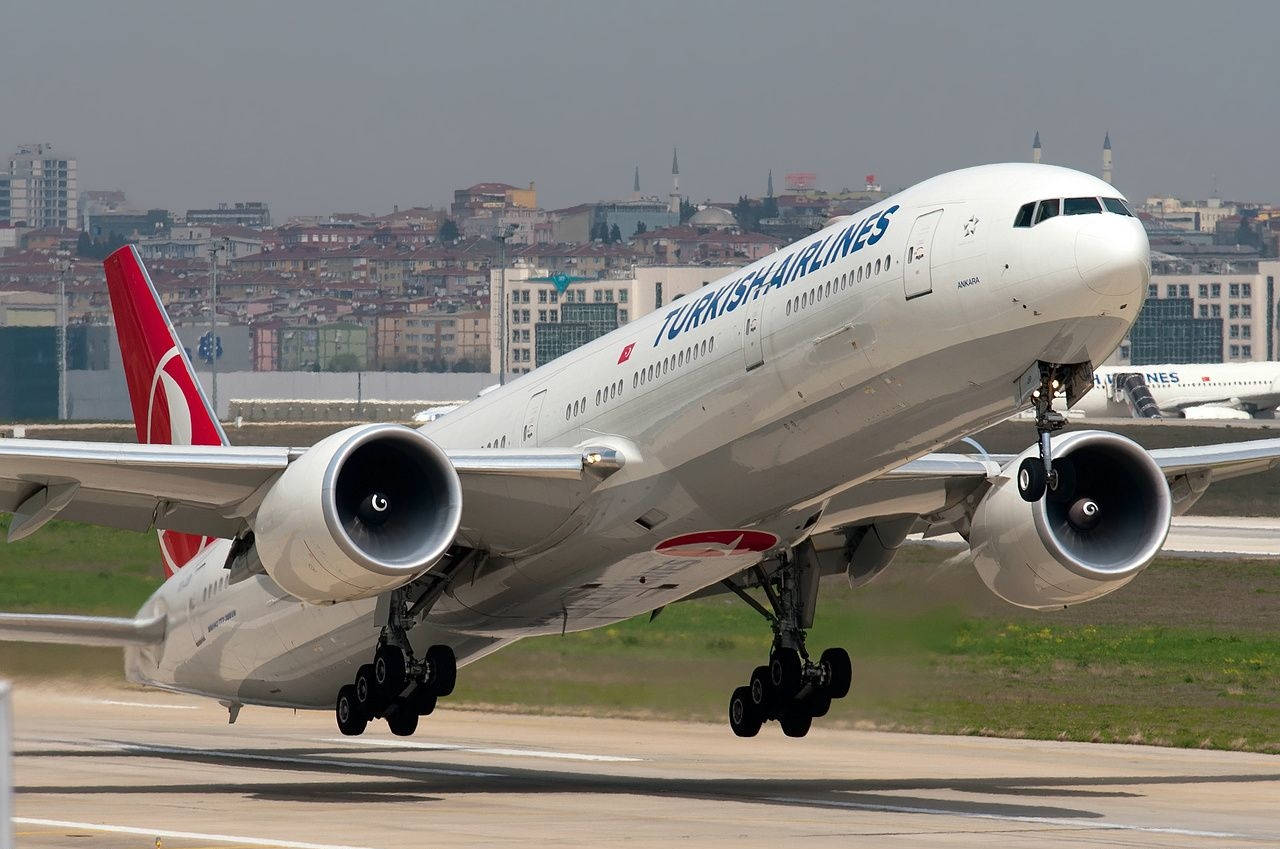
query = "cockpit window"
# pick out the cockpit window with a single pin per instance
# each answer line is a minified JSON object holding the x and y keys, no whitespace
{"x":1024,"y":215}
{"x":1117,"y":206}
{"x":1046,"y":210}
{"x":1081,"y":206}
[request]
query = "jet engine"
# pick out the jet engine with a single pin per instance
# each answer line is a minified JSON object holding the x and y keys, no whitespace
{"x":1091,"y":534}
{"x":363,"y":511}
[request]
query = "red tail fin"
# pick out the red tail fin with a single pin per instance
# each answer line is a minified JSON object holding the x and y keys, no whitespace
{"x":168,"y":406}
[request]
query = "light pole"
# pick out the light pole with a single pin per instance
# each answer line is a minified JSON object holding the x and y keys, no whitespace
{"x":503,"y":235}
{"x":64,"y":267}
{"x":215,"y":247}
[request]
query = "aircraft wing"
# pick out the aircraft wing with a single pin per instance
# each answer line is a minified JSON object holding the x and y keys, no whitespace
{"x":212,"y":490}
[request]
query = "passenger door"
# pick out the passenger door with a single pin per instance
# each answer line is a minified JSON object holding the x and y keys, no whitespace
{"x":532,"y":412}
{"x":916,"y":278}
{"x":753,"y":332}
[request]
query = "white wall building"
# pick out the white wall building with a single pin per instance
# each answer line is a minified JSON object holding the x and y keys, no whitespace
{"x":39,"y":189}
{"x":1244,"y":302}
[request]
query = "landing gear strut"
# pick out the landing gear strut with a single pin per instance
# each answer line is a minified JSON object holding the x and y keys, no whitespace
{"x":397,"y":685}
{"x":792,"y":688}
{"x":1036,"y":475}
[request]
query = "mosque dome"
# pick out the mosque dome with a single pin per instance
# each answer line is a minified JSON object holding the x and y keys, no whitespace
{"x":713,"y":217}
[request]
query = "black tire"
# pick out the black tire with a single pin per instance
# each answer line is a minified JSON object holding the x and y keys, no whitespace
{"x":1031,"y":479}
{"x":442,"y":670}
{"x":424,"y":701}
{"x":796,"y":721}
{"x":838,"y":672}
{"x":402,"y":718}
{"x":351,"y":720}
{"x":1062,"y":490}
{"x":368,"y":699}
{"x":388,"y":671}
{"x":818,"y":704}
{"x":785,"y":671}
{"x":761,"y":690}
{"x":744,"y":719}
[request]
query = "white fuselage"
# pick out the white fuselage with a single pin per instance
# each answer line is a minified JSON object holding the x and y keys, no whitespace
{"x":1190,"y":389}
{"x":765,"y":406}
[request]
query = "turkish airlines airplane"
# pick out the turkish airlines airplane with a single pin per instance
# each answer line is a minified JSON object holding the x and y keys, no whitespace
{"x":1187,"y":390}
{"x":771,"y":428}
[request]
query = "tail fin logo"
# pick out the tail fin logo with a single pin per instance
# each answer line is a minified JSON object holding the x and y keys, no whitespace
{"x":177,"y":418}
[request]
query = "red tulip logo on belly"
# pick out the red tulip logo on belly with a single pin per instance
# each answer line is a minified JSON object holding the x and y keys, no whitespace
{"x":727,"y":543}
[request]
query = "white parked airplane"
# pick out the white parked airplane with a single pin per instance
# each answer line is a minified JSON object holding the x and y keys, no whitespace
{"x":1188,"y":390}
{"x":770,"y":428}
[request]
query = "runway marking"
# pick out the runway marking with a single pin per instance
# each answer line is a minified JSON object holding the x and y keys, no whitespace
{"x":482,"y":750}
{"x":118,"y":703}
{"x":182,"y":835}
{"x":300,"y":761}
{"x":1101,"y":825}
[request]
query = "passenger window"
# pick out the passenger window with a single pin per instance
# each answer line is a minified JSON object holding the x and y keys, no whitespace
{"x":886,"y":262}
{"x":680,"y":359}
{"x":859,"y":273}
{"x":1024,"y":215}
{"x":877,"y":266}
{"x":704,"y":347}
{"x":1117,"y":206}
{"x":597,"y":397}
{"x":788,"y":308}
{"x":1048,"y":209}
{"x":1081,"y":206}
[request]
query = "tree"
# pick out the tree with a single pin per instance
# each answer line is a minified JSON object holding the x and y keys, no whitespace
{"x":84,"y":245}
{"x":449,"y":231}
{"x":640,"y":228}
{"x":687,"y":211}
{"x":769,"y":207}
{"x":344,"y":362}
{"x":615,"y":235}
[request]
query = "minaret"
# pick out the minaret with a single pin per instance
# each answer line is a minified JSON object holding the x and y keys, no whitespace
{"x":1035,"y":149}
{"x":769,"y":193}
{"x":635,"y":186}
{"x":673,"y":200}
{"x":1106,"y":158}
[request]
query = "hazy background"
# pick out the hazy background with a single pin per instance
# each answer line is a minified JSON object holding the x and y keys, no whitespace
{"x":324,"y":106}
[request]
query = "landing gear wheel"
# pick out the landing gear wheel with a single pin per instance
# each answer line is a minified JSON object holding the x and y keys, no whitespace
{"x":351,"y":720}
{"x":1032,"y":479}
{"x":424,"y":701}
{"x":837,"y":672}
{"x":761,"y":689}
{"x":367,"y":696}
{"x":744,"y":718}
{"x":388,"y":671}
{"x":1062,"y":486}
{"x":785,"y":670}
{"x":442,"y":670}
{"x":796,"y":721}
{"x":818,"y":704}
{"x":403,"y":718}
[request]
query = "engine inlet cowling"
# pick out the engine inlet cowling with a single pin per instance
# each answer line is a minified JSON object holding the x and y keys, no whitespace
{"x":363,"y":511}
{"x":1092,"y":534}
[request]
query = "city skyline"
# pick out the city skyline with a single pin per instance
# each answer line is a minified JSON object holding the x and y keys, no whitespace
{"x":313,"y":114}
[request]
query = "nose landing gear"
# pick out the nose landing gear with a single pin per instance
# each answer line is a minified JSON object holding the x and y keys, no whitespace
{"x":1036,"y":475}
{"x":792,"y":688}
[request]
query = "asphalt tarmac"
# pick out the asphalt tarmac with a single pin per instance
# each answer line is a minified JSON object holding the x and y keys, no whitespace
{"x":141,"y":769}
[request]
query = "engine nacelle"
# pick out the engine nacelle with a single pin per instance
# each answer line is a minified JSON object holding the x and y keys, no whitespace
{"x":1104,"y":524}
{"x":363,"y":511}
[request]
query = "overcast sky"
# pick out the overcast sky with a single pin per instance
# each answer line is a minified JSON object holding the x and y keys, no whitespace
{"x":334,"y":106}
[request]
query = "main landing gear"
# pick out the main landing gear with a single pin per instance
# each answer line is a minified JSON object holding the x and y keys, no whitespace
{"x":1037,"y":475}
{"x":397,"y":685}
{"x":792,"y":688}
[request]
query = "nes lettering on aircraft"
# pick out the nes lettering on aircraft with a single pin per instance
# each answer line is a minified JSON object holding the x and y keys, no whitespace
{"x":1149,"y":376}
{"x":757,"y":282}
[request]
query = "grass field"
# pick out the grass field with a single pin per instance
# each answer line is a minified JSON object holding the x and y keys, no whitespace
{"x":1187,"y":655}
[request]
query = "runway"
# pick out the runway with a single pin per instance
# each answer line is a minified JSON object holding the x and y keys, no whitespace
{"x":1224,"y":536}
{"x":123,"y":769}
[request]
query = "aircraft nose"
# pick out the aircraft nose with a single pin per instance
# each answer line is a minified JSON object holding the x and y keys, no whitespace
{"x":1112,"y":255}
